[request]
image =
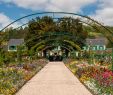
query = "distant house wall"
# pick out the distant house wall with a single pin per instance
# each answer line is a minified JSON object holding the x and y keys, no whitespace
{"x":95,"y":47}
{"x":95,"y":44}
{"x":13,"y":43}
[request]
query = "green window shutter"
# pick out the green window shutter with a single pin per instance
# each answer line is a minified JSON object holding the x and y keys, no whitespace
{"x":101,"y":48}
{"x":94,"y":47}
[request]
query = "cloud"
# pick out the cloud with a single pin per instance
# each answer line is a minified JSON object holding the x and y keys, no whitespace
{"x":5,"y":20}
{"x":51,"y":5}
{"x":46,"y":5}
{"x":104,"y":13}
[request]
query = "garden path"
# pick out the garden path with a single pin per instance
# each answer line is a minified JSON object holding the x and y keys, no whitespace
{"x":54,"y":79}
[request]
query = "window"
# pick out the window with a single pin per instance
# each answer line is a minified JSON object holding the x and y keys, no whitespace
{"x":12,"y":47}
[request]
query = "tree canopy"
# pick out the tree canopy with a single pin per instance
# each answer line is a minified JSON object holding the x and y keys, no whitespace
{"x":41,"y":26}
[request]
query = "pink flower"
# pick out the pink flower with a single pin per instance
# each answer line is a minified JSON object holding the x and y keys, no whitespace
{"x":107,"y":74}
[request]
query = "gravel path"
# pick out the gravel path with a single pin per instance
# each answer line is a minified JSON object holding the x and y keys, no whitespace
{"x":54,"y":79}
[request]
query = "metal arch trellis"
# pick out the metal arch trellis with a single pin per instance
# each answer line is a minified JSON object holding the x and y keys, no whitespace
{"x":57,"y":13}
{"x":80,"y":21}
{"x":42,"y":13}
{"x":55,"y":18}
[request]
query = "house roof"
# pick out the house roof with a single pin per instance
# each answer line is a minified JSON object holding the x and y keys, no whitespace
{"x":15,"y":42}
{"x":96,"y":41}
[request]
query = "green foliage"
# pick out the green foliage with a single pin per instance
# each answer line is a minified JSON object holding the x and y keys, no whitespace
{"x":7,"y":57}
{"x":20,"y":51}
{"x":41,"y":26}
{"x":74,"y":45}
{"x":1,"y":56}
{"x":11,"y":33}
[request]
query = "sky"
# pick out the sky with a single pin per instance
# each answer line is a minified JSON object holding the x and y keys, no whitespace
{"x":100,"y":10}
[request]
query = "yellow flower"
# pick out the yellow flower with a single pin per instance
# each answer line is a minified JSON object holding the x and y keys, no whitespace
{"x":13,"y":90}
{"x":84,"y":78}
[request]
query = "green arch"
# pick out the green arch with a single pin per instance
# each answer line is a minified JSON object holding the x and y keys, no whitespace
{"x":43,"y":42}
{"x":46,"y":47}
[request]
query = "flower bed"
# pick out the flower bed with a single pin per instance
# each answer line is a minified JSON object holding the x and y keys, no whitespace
{"x":14,"y":77}
{"x":97,"y":78}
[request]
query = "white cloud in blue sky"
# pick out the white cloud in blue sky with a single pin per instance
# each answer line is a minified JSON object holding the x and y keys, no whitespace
{"x":102,"y":13}
{"x":4,"y":19}
{"x":51,"y":5}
